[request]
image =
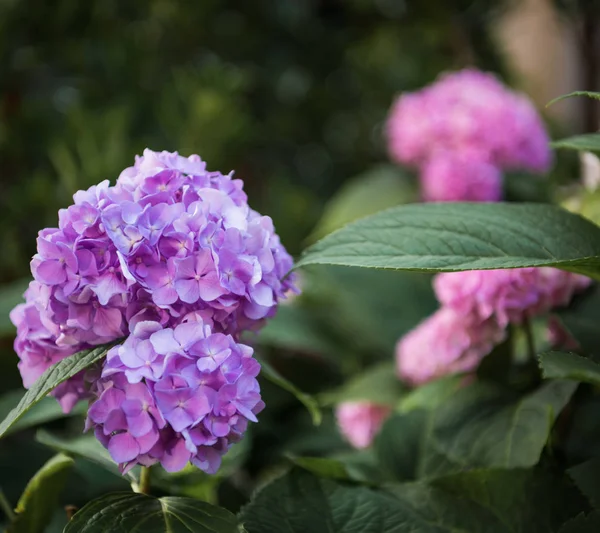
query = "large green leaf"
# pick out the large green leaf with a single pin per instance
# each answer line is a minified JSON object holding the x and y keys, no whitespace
{"x":268,"y":372}
{"x":473,"y":502}
{"x":481,"y":425}
{"x":377,"y":384}
{"x":524,"y":500}
{"x":564,"y":365}
{"x":37,"y":504}
{"x":125,"y":512}
{"x":463,"y":236}
{"x":380,"y":188}
{"x":47,"y":410}
{"x":52,"y":378}
{"x":485,"y":426}
{"x":589,"y":142}
{"x":300,"y":503}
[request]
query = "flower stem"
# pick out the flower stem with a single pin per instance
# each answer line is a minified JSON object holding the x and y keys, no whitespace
{"x":144,"y":486}
{"x":6,"y":507}
{"x":529,"y":338}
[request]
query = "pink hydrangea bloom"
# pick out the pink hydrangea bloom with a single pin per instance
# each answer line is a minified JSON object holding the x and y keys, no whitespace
{"x":460,"y":176}
{"x":447,"y":342}
{"x":359,"y":422}
{"x":507,"y":296}
{"x":468,"y":110}
{"x":466,"y":124}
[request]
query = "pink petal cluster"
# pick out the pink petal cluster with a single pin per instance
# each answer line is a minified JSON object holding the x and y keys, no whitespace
{"x":507,"y":296}
{"x":445,"y":343}
{"x":456,"y":176}
{"x":481,"y":127}
{"x":359,"y":422}
{"x":170,"y":244}
{"x":477,"y":306}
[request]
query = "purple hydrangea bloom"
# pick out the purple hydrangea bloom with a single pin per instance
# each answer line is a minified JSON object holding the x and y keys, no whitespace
{"x":173,"y":258}
{"x":173,"y":395}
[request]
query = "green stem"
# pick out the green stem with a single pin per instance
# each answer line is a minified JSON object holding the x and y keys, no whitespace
{"x":530,"y":341}
{"x":6,"y":507}
{"x":144,"y":486}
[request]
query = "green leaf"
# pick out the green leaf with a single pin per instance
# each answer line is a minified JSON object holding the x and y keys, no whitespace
{"x":380,"y":188}
{"x":478,"y":426}
{"x":589,"y":142}
{"x":583,"y":523}
{"x":473,"y":502}
{"x":268,"y":372}
{"x":39,"y":499}
{"x":589,"y":94}
{"x":532,"y":500}
{"x":52,"y":378}
{"x":86,"y":446}
{"x":323,"y":467}
{"x":463,"y":236}
{"x":299,"y":502}
{"x":432,"y":394}
{"x":563,"y":365}
{"x":399,"y":445}
{"x":47,"y":410}
{"x":486,"y":426}
{"x":580,"y":320}
{"x":11,"y":294}
{"x":125,"y":512}
{"x":587,"y":478}
{"x":377,"y":384}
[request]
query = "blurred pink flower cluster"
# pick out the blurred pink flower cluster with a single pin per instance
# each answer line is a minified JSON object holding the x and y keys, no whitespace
{"x":477,"y":307}
{"x":359,"y":422}
{"x":462,"y":132}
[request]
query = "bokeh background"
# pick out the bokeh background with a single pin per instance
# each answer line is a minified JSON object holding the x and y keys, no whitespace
{"x":292,"y":95}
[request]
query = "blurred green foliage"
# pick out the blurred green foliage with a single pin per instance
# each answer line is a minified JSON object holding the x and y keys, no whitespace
{"x":289,"y":94}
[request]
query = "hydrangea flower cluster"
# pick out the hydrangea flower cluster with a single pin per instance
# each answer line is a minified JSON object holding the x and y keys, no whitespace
{"x":359,"y":422}
{"x":462,"y":131}
{"x":477,"y":306}
{"x":175,"y":395}
{"x":447,"y":342}
{"x":507,"y":296}
{"x":173,"y":258}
